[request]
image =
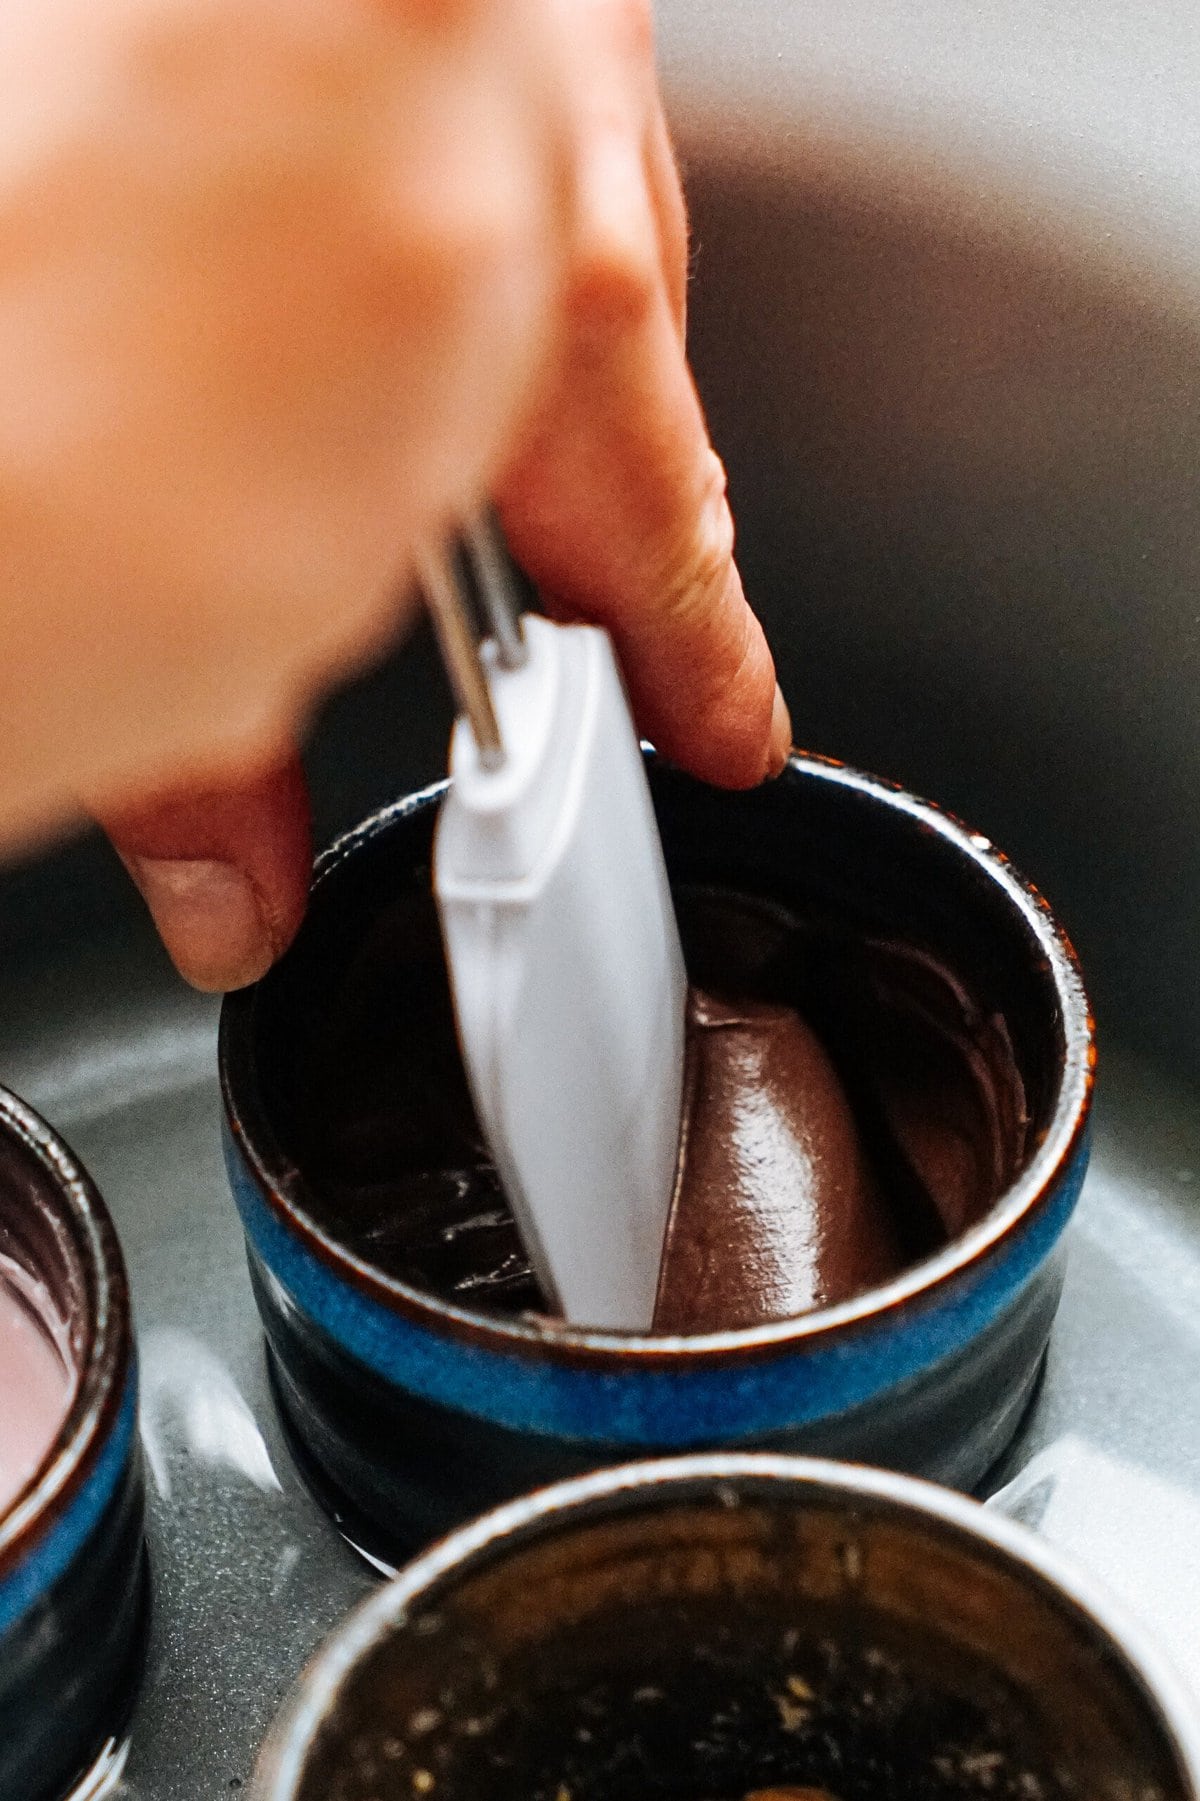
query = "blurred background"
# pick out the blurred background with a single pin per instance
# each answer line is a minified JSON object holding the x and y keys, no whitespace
{"x":946,"y":319}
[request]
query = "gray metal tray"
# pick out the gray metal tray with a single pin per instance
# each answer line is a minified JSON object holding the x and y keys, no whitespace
{"x":249,"y":1575}
{"x":964,"y":453}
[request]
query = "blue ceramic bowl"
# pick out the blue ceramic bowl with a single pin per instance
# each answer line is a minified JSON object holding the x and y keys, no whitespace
{"x":713,"y":1627}
{"x":73,"y":1579}
{"x":409,"y":1411}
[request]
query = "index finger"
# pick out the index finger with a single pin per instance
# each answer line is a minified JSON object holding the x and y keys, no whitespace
{"x":615,"y":502}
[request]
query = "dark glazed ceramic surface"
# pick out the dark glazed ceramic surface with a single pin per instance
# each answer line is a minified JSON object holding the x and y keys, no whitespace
{"x":709,"y":1626}
{"x":478,"y":1407}
{"x":73,"y":1581}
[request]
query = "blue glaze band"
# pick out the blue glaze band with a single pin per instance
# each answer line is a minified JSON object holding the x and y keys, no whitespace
{"x":654,"y":1405}
{"x":42,"y":1566}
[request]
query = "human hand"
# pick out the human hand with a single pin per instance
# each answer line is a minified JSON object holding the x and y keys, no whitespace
{"x":275,"y":278}
{"x":611,"y":498}
{"x":614,"y":500}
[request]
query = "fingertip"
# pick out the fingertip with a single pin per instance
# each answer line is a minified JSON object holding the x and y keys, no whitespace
{"x":728,"y":742}
{"x":223,"y":870}
{"x":212,"y":923}
{"x":781,"y":735}
{"x":703,"y":680}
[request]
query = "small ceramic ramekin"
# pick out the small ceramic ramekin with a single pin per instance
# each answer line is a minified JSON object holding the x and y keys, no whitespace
{"x":409,"y":1411}
{"x":74,"y":1587}
{"x":717,"y":1627}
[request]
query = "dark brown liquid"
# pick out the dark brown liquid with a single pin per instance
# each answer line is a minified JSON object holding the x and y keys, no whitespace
{"x":848,"y":1108}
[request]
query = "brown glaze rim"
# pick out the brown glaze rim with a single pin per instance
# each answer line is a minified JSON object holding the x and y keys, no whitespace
{"x":104,"y":1350}
{"x":282,"y":1185}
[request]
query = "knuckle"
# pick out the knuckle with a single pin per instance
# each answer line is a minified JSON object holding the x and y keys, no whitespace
{"x":613,"y":282}
{"x":697,"y":561}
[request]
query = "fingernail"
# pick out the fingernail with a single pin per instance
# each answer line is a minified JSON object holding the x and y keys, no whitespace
{"x":208,"y":917}
{"x":781,"y":735}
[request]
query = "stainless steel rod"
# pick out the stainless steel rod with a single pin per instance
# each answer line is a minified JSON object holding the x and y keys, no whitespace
{"x":460,"y":652}
{"x":497,"y":591}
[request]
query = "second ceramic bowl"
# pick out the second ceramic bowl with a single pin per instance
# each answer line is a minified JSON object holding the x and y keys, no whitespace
{"x":713,"y":1628}
{"x":411,"y":1408}
{"x":74,"y":1587}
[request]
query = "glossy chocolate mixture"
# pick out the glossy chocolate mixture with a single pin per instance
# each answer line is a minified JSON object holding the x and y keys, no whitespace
{"x":848,"y":1107}
{"x":777,"y":1208}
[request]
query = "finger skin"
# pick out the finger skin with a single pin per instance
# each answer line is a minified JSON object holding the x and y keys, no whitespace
{"x":666,"y":191}
{"x":276,"y":277}
{"x":224,"y":870}
{"x":614,"y":500}
{"x":626,"y":524}
{"x":267,"y":476}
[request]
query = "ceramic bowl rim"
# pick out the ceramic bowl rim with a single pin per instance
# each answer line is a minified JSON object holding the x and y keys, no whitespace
{"x":280,"y":1764}
{"x":106,"y":1347}
{"x":960,"y":1260}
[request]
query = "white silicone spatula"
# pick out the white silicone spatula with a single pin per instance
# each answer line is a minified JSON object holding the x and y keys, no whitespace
{"x":564,"y":956}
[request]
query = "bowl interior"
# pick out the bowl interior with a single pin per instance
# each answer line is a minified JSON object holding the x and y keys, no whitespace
{"x":344,"y":1068}
{"x":701,"y":1647}
{"x":49,"y":1303}
{"x":36,"y":1232}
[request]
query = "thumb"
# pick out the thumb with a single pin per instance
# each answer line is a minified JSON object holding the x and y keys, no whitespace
{"x":224,"y":869}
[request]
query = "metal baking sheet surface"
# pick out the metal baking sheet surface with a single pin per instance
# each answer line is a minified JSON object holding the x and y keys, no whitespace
{"x":250,"y":1575}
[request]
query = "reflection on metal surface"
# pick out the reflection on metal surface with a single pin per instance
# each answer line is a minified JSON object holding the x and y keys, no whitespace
{"x":118,"y":1069}
{"x":285,"y":1564}
{"x":386,"y":1570}
{"x":1152,"y":1241}
{"x":1139,"y":1533}
{"x":191,"y":1404}
{"x":104,"y":1777}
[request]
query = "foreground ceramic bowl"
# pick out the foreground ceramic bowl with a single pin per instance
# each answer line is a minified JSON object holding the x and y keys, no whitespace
{"x":410,"y":1410}
{"x":73,"y":1578}
{"x":707,"y":1627}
